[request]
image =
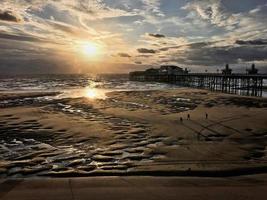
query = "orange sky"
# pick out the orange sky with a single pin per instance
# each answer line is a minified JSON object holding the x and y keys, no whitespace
{"x":123,"y":35}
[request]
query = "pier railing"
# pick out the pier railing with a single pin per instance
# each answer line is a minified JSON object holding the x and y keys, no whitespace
{"x":243,"y":84}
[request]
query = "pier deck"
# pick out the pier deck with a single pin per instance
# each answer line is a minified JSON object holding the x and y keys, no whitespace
{"x":243,"y":84}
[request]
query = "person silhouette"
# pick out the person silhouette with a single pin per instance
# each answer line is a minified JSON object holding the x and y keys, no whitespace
{"x":181,"y":119}
{"x":188,"y":116}
{"x":207,"y":116}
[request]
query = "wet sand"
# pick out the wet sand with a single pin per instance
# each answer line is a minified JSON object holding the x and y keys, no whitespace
{"x":133,"y":133}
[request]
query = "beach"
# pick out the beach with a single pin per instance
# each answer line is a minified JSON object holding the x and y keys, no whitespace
{"x":126,"y":100}
{"x":131,"y":133}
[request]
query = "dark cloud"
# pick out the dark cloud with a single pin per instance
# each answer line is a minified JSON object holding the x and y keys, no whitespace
{"x":198,"y":45}
{"x":252,"y":42}
{"x":35,"y":66}
{"x":195,"y":45}
{"x":144,"y":56}
{"x":144,"y":50}
{"x":138,"y":62}
{"x":171,"y":47}
{"x":191,"y":45}
{"x":19,"y":37}
{"x":156,"y":35}
{"x":165,"y":48}
{"x":9,"y":16}
{"x":25,"y":38}
{"x":212,"y":56}
{"x":124,"y":55}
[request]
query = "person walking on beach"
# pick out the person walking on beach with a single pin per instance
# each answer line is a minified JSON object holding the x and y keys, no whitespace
{"x":188,"y":116}
{"x":207,"y":116}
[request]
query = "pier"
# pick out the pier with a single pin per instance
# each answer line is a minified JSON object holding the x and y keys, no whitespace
{"x":250,"y":84}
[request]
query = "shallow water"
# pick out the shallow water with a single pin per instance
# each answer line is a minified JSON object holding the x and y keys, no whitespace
{"x":29,"y":148}
{"x":73,"y":86}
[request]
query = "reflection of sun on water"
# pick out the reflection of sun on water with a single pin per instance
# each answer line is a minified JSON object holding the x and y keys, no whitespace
{"x":93,"y":93}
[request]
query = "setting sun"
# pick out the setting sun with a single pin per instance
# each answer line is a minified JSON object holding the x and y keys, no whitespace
{"x":90,"y":49}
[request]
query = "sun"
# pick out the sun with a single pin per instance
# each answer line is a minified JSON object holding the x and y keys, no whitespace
{"x":90,"y":49}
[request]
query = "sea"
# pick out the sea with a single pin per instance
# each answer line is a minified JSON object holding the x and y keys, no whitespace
{"x":78,"y":85}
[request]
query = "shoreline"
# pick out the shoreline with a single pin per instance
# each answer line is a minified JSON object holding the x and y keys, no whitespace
{"x":131,"y":132}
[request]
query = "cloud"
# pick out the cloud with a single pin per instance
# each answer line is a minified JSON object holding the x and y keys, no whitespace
{"x":138,"y":62}
{"x":95,"y":9}
{"x":144,"y":50}
{"x":24,"y":38}
{"x":9,"y":16}
{"x":252,"y":42}
{"x":214,"y":56}
{"x":194,"y":45}
{"x":144,"y":56}
{"x":156,"y":35}
{"x":190,"y":32}
{"x":212,"y":11}
{"x":38,"y":66}
{"x":153,"y":7}
{"x":124,"y":55}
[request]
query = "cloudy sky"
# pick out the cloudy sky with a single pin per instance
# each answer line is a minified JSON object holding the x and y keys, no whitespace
{"x":78,"y":36}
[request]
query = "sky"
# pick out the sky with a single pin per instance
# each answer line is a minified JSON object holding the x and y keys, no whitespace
{"x":118,"y":36}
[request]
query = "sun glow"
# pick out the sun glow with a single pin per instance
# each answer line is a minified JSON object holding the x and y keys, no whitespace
{"x":90,"y":49}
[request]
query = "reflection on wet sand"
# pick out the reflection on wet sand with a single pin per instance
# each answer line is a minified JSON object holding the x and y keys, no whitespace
{"x":132,"y":132}
{"x":94,"y":93}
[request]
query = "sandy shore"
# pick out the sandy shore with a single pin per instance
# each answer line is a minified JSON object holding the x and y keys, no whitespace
{"x":133,"y":133}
